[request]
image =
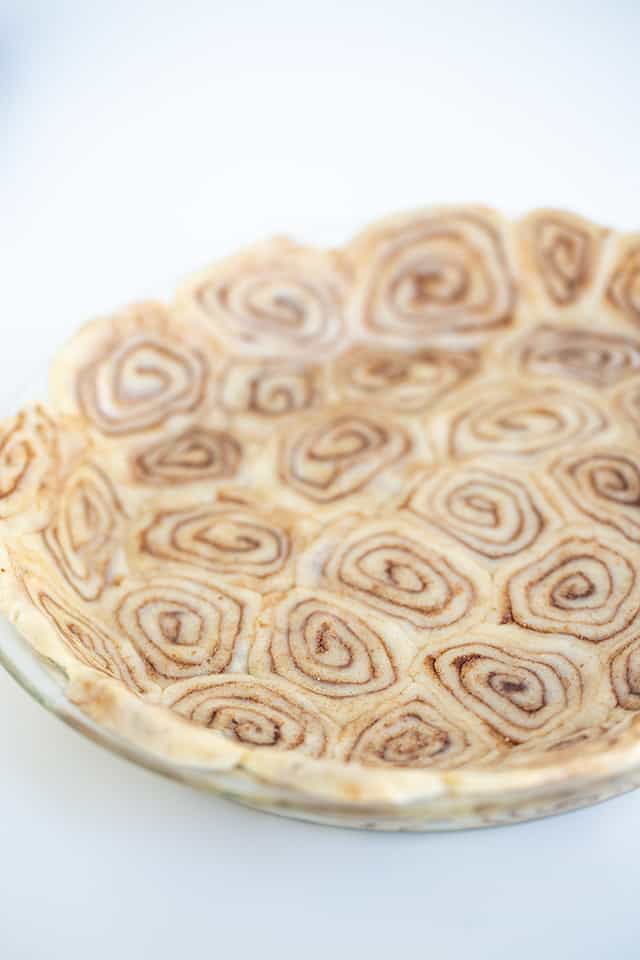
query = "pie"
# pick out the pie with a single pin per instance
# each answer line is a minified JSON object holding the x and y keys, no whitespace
{"x":362,"y":524}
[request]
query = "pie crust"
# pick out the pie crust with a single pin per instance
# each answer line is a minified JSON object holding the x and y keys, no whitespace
{"x":352,"y":534}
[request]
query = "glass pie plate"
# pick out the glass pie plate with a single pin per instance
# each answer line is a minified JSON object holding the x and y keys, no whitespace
{"x":349,"y":536}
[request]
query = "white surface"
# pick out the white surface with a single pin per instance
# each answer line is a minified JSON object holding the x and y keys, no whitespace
{"x":138,"y":141}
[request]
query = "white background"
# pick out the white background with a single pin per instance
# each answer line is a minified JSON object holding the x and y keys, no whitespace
{"x":140,"y":140}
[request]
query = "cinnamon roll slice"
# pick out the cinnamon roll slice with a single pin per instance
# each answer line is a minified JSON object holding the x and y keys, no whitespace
{"x":584,"y":583}
{"x":437,"y":277}
{"x":624,"y":671}
{"x":30,"y":464}
{"x":521,"y":692}
{"x":512,"y":420}
{"x":403,"y":381}
{"x":400,"y":569}
{"x":330,"y":648}
{"x":561,"y":256}
{"x":332,"y":457}
{"x":195,"y":455}
{"x":235,"y":537}
{"x":492,"y":512}
{"x":269,"y":390}
{"x":86,"y":531}
{"x":252,"y":712}
{"x":623,"y":283}
{"x":274,"y":299}
{"x":602,"y":483}
{"x":594,"y":356}
{"x":83,"y":631}
{"x":186,"y":627}
{"x":132,"y":373}
{"x":415,"y":731}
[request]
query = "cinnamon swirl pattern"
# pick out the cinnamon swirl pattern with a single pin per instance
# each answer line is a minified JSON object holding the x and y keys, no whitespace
{"x":86,"y":636}
{"x":514,"y":422}
{"x":585,"y":585}
{"x":193,"y":456}
{"x":414,"y":734}
{"x":269,"y":390}
{"x":397,"y":569}
{"x":29,"y":460}
{"x":275,"y":299}
{"x":139,"y":385}
{"x":182,"y":627}
{"x":519,"y":693}
{"x":623,"y":292}
{"x":439,"y":277}
{"x":230,"y":538}
{"x":625,"y":675}
{"x":565,"y":251}
{"x":338,"y":454}
{"x":603,"y":484}
{"x":379,"y":506}
{"x":132,"y":373}
{"x":327,"y":647}
{"x":599,"y":358}
{"x":251,"y":712}
{"x":92,"y":644}
{"x":493,"y":514}
{"x":402,"y":381}
{"x":86,"y":531}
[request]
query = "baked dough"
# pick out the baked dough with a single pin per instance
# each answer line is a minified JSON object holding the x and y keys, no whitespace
{"x":378,"y":506}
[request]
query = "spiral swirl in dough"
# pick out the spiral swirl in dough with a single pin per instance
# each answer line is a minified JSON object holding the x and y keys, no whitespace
{"x":495,"y":515}
{"x":319,"y":643}
{"x":439,"y":277}
{"x":272,"y":300}
{"x":416,"y":733}
{"x":623,"y":292}
{"x":269,"y":389}
{"x":230,"y":538}
{"x":603,"y":484}
{"x":402,"y":381}
{"x":516,"y":422}
{"x":29,"y":460}
{"x":564,"y":251}
{"x":519,"y":693}
{"x":339,"y":453}
{"x":86,"y":530}
{"x":396,"y":568}
{"x":625,"y":675}
{"x":380,"y":506}
{"x":88,"y":639}
{"x":251,"y":712}
{"x":133,"y":372}
{"x":183,"y":628}
{"x":192,"y":456}
{"x":585,"y":585}
{"x":599,"y":358}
